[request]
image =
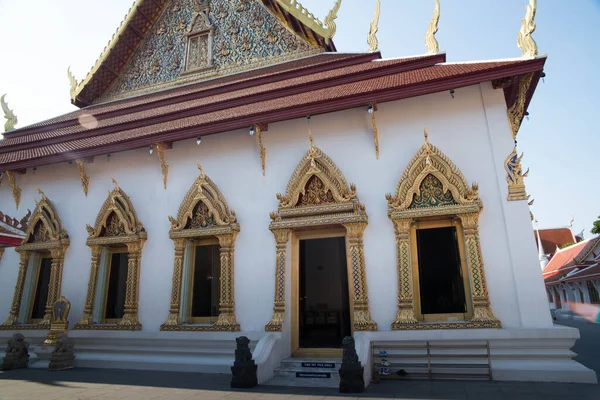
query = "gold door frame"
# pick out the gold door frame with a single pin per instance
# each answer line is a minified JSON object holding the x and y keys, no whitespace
{"x":297,"y":236}
{"x":432,"y":187}
{"x":442,"y":223}
{"x":45,"y":233}
{"x":318,"y":196}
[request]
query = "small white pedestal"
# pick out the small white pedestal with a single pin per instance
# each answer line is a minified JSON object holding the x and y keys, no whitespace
{"x":44,"y":354}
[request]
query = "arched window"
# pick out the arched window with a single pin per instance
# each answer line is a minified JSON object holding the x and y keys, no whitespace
{"x":440,"y":266}
{"x":204,"y":233}
{"x":40,"y":270}
{"x":116,"y":241}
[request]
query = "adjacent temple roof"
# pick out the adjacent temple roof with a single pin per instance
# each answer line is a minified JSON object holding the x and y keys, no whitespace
{"x":553,"y":239}
{"x":575,"y":263}
{"x":12,"y":231}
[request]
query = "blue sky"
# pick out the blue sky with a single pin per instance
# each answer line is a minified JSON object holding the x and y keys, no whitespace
{"x":561,"y":143}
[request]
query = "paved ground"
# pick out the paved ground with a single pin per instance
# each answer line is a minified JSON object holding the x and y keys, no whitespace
{"x":94,"y":384}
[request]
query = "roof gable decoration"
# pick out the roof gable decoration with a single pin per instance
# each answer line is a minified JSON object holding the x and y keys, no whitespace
{"x":200,"y":38}
{"x":9,"y":115}
{"x":204,"y":208}
{"x":431,"y":179}
{"x":45,"y":228}
{"x":430,"y":40}
{"x":327,"y":30}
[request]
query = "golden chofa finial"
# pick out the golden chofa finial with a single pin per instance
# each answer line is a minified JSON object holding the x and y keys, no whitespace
{"x":372,"y":40}
{"x":330,"y":20}
{"x":200,"y":169}
{"x":430,"y":40}
{"x":115,"y":183}
{"x":42,"y":193}
{"x":73,"y":82}
{"x":11,"y":118}
{"x":525,"y":39}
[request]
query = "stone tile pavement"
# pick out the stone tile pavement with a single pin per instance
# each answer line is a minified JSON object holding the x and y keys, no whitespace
{"x":100,"y":384}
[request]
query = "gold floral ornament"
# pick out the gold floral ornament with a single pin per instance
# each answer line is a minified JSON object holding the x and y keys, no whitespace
{"x":9,"y":115}
{"x":164,"y":167}
{"x":204,"y":213}
{"x":432,"y":186}
{"x":117,"y":224}
{"x":372,"y":40}
{"x":44,"y":233}
{"x":515,"y":177}
{"x":525,"y":39}
{"x":319,"y":195}
{"x":430,"y":40}
{"x":16,"y":190}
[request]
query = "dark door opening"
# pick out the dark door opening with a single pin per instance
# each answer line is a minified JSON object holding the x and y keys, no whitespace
{"x":440,"y":277}
{"x":206,"y":285}
{"x":324,"y":298}
{"x":41,"y":290}
{"x":117,"y":282}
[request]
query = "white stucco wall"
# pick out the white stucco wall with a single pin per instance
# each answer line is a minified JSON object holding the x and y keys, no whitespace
{"x":471,"y":129}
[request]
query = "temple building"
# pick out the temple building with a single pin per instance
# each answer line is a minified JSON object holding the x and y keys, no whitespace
{"x":229,"y":173}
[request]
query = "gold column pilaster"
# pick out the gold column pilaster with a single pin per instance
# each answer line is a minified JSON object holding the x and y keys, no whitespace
{"x":16,"y":304}
{"x":55,"y":282}
{"x":130,"y":318}
{"x":406,"y":311}
{"x":174,"y":318}
{"x":88,"y":309}
{"x":227,"y":320}
{"x":362,"y":315}
{"x":482,"y":312}
{"x":276,"y":324}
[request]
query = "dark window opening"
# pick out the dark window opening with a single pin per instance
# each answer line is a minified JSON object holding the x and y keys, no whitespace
{"x":117,"y":281}
{"x":324,"y":297}
{"x":206,"y":284}
{"x":440,"y":277}
{"x":41,"y":289}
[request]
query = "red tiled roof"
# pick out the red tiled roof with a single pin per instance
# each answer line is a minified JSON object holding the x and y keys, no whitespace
{"x":566,"y":260}
{"x":553,"y":238}
{"x":270,"y":95}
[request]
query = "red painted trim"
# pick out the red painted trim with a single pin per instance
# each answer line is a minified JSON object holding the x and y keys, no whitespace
{"x":7,"y":241}
{"x":224,"y":88}
{"x":317,"y":108}
{"x":236,"y":102}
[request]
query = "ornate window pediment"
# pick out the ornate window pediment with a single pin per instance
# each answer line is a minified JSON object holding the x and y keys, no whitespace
{"x":203,"y":215}
{"x":45,"y":243}
{"x":432,"y":180}
{"x":200,"y":38}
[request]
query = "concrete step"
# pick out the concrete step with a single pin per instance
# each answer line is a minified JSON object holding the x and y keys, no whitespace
{"x":307,"y":372}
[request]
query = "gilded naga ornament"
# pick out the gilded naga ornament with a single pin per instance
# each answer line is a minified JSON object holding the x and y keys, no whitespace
{"x":11,"y":118}
{"x":515,"y":177}
{"x":73,"y":82}
{"x":525,"y":39}
{"x":372,"y":40}
{"x":326,"y":30}
{"x":430,"y":40}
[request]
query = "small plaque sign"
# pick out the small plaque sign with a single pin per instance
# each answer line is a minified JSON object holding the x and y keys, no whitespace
{"x":317,"y":365}
{"x":322,"y":375}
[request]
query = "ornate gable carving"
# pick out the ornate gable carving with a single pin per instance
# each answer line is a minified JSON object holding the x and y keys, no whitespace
{"x":206,"y":38}
{"x":204,"y":211}
{"x":432,"y":180}
{"x":318,"y":188}
{"x":117,"y":220}
{"x":45,"y":226}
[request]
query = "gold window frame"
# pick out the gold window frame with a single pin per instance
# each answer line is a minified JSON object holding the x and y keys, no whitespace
{"x":45,"y":233}
{"x":330,"y":203}
{"x":117,"y":225}
{"x":217,"y":222}
{"x":455,"y":200}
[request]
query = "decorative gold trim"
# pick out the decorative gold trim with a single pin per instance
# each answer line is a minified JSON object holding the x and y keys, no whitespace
{"x":372,"y":39}
{"x":298,"y":11}
{"x":261,"y":149}
{"x":85,"y":179}
{"x":318,"y":195}
{"x":517,"y":111}
{"x":59,"y":323}
{"x":220,"y":222}
{"x":117,"y":224}
{"x":74,"y":85}
{"x":430,"y":40}
{"x":515,"y":177}
{"x":164,"y":167}
{"x":16,"y":190}
{"x":1,"y":253}
{"x":9,"y":115}
{"x":44,"y":233}
{"x":375,"y":130}
{"x":525,"y":39}
{"x":429,"y":160}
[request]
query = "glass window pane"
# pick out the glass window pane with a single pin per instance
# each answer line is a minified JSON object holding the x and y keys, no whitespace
{"x":41,"y":289}
{"x":205,"y":289}
{"x":115,"y":298}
